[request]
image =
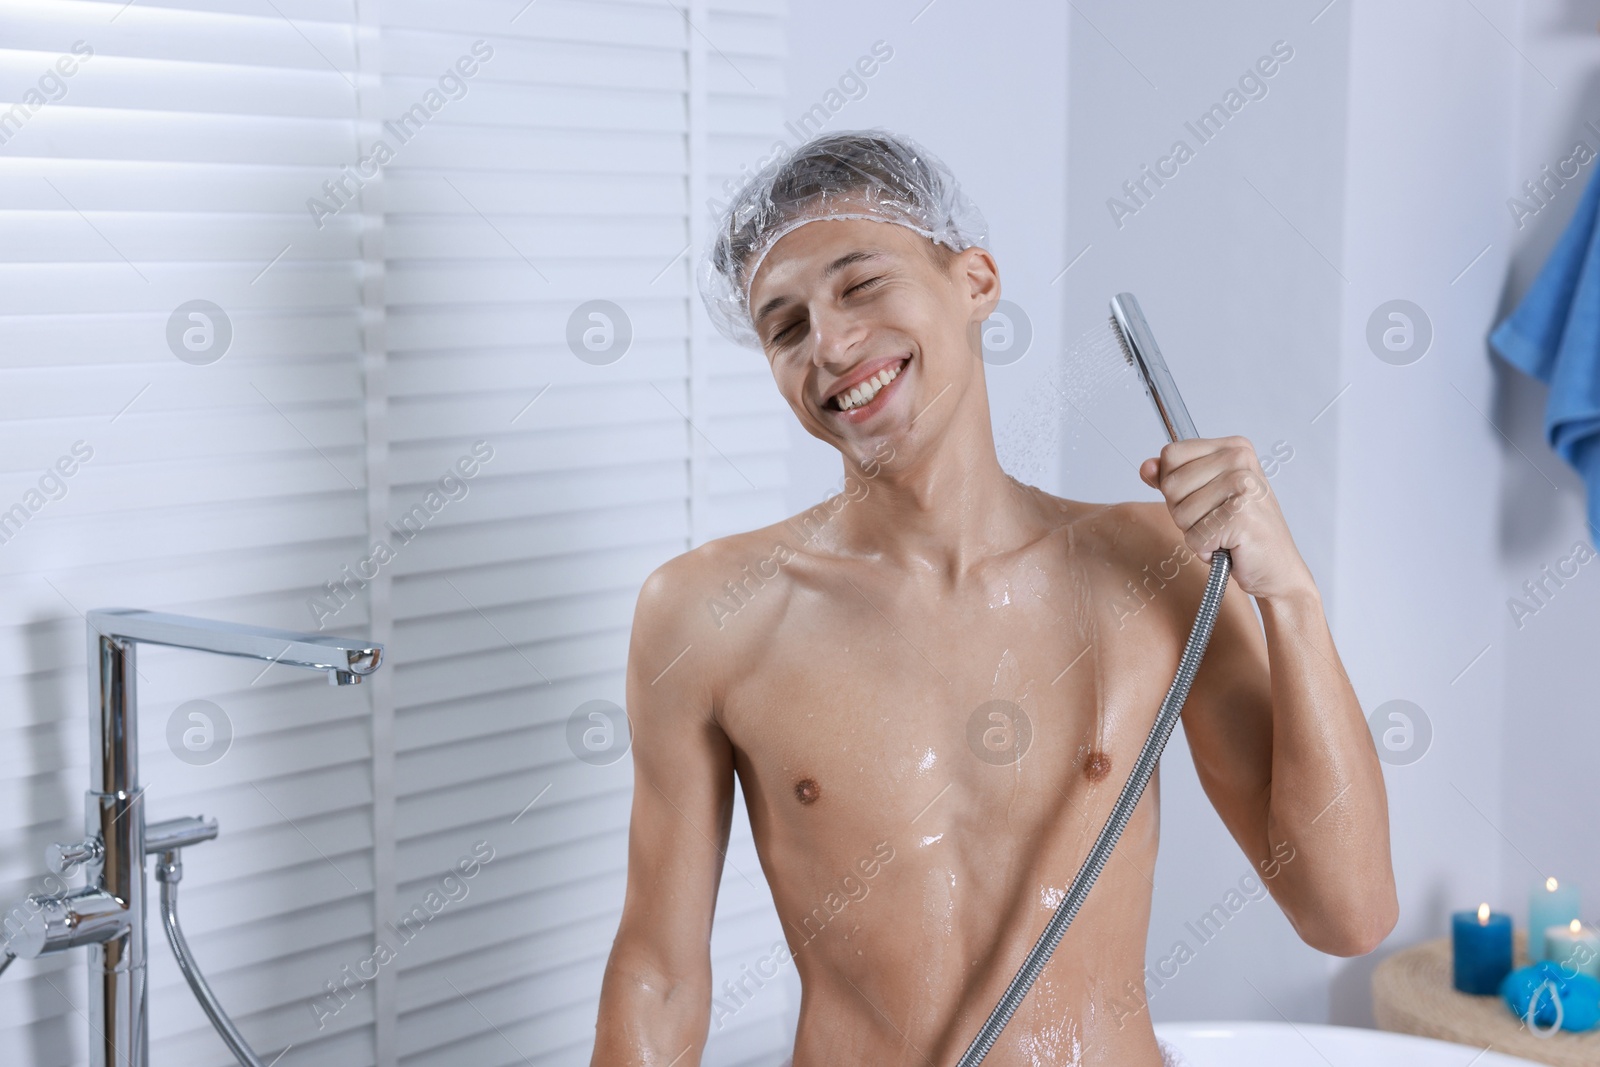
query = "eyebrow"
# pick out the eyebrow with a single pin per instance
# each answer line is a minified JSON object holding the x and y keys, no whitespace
{"x":833,"y":268}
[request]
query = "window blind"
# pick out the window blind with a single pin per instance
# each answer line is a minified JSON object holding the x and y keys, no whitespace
{"x":561,"y":178}
{"x":227,"y":478}
{"x":392,"y":324}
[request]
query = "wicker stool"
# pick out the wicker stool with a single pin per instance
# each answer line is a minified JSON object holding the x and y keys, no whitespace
{"x":1412,"y":994}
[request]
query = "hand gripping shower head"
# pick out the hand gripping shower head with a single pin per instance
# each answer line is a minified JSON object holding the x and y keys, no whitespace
{"x":1139,"y":347}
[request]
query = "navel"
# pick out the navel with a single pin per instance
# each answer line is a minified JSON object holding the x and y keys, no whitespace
{"x":806,"y":791}
{"x":1096,"y":766}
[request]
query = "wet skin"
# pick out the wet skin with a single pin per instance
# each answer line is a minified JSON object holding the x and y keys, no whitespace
{"x":863,"y":672}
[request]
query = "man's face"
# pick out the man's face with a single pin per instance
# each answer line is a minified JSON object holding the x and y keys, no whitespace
{"x":842,"y":302}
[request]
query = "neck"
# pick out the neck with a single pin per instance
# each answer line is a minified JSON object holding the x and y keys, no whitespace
{"x":940,"y":503}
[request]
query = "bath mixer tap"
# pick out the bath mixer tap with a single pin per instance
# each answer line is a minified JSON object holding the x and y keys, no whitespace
{"x":108,"y":914}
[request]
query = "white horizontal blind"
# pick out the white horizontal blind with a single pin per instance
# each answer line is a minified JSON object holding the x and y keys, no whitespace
{"x":558,"y":177}
{"x":215,"y":151}
{"x":174,"y":165}
{"x":747,"y":419}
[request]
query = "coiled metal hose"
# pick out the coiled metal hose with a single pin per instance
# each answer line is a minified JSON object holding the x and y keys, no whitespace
{"x":1121,"y":812}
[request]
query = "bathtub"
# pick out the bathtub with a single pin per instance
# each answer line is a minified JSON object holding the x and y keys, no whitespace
{"x":1309,"y":1045}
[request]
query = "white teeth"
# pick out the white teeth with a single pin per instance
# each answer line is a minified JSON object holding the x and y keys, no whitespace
{"x":863,"y":393}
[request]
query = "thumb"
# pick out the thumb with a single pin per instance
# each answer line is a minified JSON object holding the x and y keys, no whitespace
{"x":1148,"y":471}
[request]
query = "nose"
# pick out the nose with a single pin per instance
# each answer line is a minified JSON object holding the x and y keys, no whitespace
{"x":834,"y":332}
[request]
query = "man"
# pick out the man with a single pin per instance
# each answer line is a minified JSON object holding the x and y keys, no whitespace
{"x":932,"y":687}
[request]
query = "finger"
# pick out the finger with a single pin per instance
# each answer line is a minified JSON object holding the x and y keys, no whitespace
{"x":1177,"y":453}
{"x":1179,"y":482}
{"x":1213,"y":506}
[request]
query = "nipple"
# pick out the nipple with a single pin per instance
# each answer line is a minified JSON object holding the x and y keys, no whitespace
{"x":1096,"y":766}
{"x":806,"y":791}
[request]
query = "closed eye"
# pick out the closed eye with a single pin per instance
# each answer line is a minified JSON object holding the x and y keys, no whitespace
{"x":778,"y":337}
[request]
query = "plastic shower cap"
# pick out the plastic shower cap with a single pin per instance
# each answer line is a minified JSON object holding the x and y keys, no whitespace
{"x":852,"y":174}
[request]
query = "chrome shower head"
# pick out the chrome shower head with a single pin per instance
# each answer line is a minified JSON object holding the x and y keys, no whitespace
{"x":1139,"y":348}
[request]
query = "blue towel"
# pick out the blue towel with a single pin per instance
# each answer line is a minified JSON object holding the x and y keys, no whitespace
{"x":1554,"y":336}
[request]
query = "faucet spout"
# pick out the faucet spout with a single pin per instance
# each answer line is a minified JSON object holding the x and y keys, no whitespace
{"x":347,"y":660}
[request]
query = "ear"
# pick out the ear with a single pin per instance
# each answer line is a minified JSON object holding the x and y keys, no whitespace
{"x":976,"y":272}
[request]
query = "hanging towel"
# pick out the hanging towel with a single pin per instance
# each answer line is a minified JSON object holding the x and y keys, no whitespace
{"x":1554,"y":336}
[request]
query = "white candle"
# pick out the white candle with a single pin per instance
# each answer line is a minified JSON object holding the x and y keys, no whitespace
{"x":1575,"y":948}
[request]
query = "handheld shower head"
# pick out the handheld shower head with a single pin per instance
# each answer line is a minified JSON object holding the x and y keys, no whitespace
{"x":1139,"y":348}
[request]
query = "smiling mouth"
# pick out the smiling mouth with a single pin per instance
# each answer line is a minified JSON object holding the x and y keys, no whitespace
{"x":864,"y":393}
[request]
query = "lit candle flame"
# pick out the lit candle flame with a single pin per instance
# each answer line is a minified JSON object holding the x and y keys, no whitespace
{"x":1550,"y":884}
{"x":1576,"y":926}
{"x":1483,"y":914}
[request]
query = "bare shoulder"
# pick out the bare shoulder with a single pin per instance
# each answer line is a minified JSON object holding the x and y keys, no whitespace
{"x":1150,"y":551}
{"x":1148,"y":524}
{"x":684,"y":604}
{"x":679,"y":587}
{"x":1144,"y":541}
{"x":1125,"y":532}
{"x":1130,"y":550}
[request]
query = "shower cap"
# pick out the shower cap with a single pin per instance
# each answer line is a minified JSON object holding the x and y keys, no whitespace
{"x":851,"y":174}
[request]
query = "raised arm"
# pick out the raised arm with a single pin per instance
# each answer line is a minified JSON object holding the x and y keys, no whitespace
{"x":1278,"y":736}
{"x":655,"y":1000}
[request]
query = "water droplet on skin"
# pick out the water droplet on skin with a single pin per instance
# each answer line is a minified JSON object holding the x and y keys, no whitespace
{"x":1008,"y":666}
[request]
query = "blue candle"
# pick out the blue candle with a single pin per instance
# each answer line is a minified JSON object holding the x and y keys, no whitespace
{"x":1482,"y":944}
{"x":1552,"y":904}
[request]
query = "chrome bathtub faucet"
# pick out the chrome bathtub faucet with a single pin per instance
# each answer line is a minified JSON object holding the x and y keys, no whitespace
{"x":108,"y":914}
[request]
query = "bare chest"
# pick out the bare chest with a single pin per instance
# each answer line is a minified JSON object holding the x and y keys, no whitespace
{"x":872,"y":703}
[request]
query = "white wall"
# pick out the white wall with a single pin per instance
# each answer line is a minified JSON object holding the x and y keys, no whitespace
{"x":1432,"y":89}
{"x":1449,"y":497}
{"x":1548,"y":727}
